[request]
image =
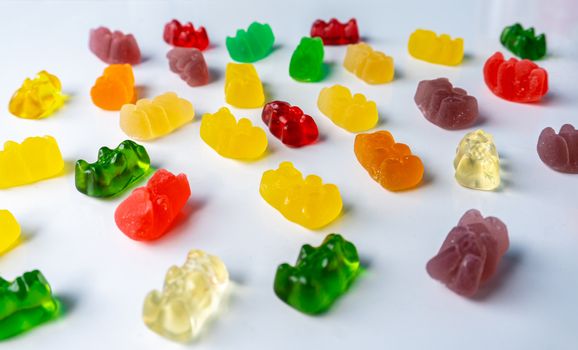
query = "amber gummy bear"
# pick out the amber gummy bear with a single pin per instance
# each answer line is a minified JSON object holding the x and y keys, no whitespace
{"x":114,"y":88}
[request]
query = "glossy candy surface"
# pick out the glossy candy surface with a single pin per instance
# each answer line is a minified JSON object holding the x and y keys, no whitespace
{"x":559,"y":151}
{"x":524,"y":43}
{"x":37,"y":98}
{"x":353,"y":113}
{"x":477,"y":162}
{"x":427,"y":46}
{"x":114,"y":88}
{"x":335,"y":32}
{"x":190,"y":65}
{"x":251,"y":45}
{"x":289,"y":124}
{"x":185,"y":35}
{"x":9,"y":231}
{"x":373,"y":67}
{"x":307,"y":61}
{"x":114,"y":47}
{"x":243,"y":88}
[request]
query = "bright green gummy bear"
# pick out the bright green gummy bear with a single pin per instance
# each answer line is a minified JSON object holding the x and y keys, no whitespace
{"x":523,"y":42}
{"x":114,"y":170}
{"x":319,"y":276}
{"x":25,"y":303}
{"x":251,"y":45}
{"x":307,"y":60}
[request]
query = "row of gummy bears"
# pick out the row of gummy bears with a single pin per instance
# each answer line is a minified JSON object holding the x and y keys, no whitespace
{"x":192,"y":293}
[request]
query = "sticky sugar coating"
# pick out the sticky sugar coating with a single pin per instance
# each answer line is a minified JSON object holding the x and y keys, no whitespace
{"x":477,"y":163}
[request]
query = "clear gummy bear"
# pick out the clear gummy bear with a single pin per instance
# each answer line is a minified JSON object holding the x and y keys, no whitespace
{"x":477,"y":163}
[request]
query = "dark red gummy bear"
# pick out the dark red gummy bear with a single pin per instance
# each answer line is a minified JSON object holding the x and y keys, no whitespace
{"x":185,"y":35}
{"x":515,"y":80}
{"x":335,"y":32}
{"x":149,"y":211}
{"x":289,"y":124}
{"x":114,"y":47}
{"x":560,"y":151}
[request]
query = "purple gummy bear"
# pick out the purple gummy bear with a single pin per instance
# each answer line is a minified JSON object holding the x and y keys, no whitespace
{"x":471,"y":253}
{"x":114,"y":47}
{"x":445,"y":106}
{"x":559,"y":152}
{"x":189,"y":64}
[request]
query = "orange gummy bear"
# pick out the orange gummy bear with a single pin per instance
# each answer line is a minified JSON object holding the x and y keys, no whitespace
{"x":114,"y":88}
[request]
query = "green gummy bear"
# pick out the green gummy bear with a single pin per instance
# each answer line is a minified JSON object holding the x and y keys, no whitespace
{"x":25,"y":303}
{"x":114,"y":170}
{"x":307,"y":60}
{"x":523,"y":42}
{"x":251,"y":45}
{"x":319,"y":276}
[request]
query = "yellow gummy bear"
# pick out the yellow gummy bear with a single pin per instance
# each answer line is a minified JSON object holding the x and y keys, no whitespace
{"x":232,"y":139}
{"x":428,"y":46}
{"x":9,"y":231}
{"x":151,"y":119}
{"x":38,"y":97}
{"x":477,"y":163}
{"x":373,"y":67}
{"x":35,"y":159}
{"x":352,"y":113}
{"x":243,"y":88}
{"x":307,"y":202}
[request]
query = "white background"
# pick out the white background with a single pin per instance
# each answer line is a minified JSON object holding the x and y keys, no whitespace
{"x":102,"y":276}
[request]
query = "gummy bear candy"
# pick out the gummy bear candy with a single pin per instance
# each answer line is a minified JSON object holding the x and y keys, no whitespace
{"x":477,"y":163}
{"x":307,"y":61}
{"x":289,"y":124}
{"x":114,"y":88}
{"x":320,"y":275}
{"x":445,"y":106}
{"x":524,"y":43}
{"x":114,"y":170}
{"x":513,"y":80}
{"x":191,"y":295}
{"x":190,"y":65}
{"x":10,"y":231}
{"x":243,"y":88}
{"x":335,"y":32}
{"x":470,"y":253}
{"x":427,"y":46}
{"x":36,"y":158}
{"x":350,"y":112}
{"x":114,"y":47}
{"x":307,"y":202}
{"x":149,"y":211}
{"x":559,"y":151}
{"x":185,"y":35}
{"x":251,"y":45}
{"x":232,"y":139}
{"x":389,"y":163}
{"x":151,"y":119}
{"x":373,"y":67}
{"x":25,"y":303}
{"x":37,"y":98}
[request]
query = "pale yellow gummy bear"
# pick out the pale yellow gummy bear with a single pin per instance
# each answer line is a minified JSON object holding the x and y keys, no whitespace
{"x":477,"y":162}
{"x":38,"y":97}
{"x":351,"y":112}
{"x":373,"y":67}
{"x":428,"y":46}
{"x":9,"y":231}
{"x":243,"y":88}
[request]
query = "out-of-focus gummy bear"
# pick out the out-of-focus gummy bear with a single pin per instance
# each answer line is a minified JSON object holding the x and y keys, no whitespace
{"x":289,"y":124}
{"x":190,"y":65}
{"x":427,"y":46}
{"x":114,"y":88}
{"x":320,"y":275}
{"x":477,"y":163}
{"x":350,"y":112}
{"x":251,"y":45}
{"x":243,"y":88}
{"x":9,"y":231}
{"x":373,"y":67}
{"x":559,"y":151}
{"x":307,"y":202}
{"x":307,"y":61}
{"x":524,"y":43}
{"x":335,"y":32}
{"x":232,"y":139}
{"x":185,"y":35}
{"x":114,"y":47}
{"x":37,"y":98}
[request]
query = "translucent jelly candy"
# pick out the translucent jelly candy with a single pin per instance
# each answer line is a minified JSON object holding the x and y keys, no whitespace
{"x":289,"y":124}
{"x":470,"y":253}
{"x":25,"y":303}
{"x":10,"y":231}
{"x":190,"y":65}
{"x":307,"y":202}
{"x":114,"y":88}
{"x":36,"y":158}
{"x":114,"y":170}
{"x":445,"y":106}
{"x":477,"y":163}
{"x":320,"y":275}
{"x":427,"y":46}
{"x":350,"y":112}
{"x":185,"y":35}
{"x":38,"y":97}
{"x":149,"y":211}
{"x":524,"y":43}
{"x":251,"y":45}
{"x":513,"y":80}
{"x":191,"y":295}
{"x":232,"y":139}
{"x":114,"y":47}
{"x":559,"y":151}
{"x":335,"y":32}
{"x":373,"y":67}
{"x":151,"y":119}
{"x":307,"y":61}
{"x":243,"y":88}
{"x":390,"y":164}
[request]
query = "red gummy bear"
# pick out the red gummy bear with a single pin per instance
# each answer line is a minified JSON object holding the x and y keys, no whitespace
{"x":515,"y":80}
{"x":185,"y":35}
{"x":335,"y":32}
{"x":289,"y":124}
{"x":149,"y":211}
